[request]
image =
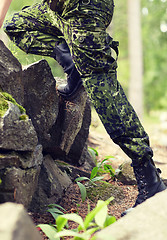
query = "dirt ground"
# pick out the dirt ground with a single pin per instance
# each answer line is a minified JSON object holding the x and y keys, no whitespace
{"x":100,"y":140}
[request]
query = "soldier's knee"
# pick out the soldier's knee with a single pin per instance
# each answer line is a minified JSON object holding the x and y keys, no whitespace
{"x":10,"y":26}
{"x":13,"y":26}
{"x":7,"y":27}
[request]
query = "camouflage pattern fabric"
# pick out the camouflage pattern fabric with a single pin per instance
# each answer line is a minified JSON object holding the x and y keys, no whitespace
{"x":82,"y":24}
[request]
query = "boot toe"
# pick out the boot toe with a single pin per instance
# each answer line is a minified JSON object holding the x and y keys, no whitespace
{"x":66,"y":92}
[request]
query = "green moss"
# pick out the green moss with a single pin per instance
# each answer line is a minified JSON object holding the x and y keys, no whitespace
{"x":3,"y":106}
{"x":9,"y":98}
{"x":23,"y":117}
{"x":103,"y":191}
{"x":4,"y":99}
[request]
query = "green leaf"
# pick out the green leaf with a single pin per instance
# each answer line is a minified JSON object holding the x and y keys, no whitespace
{"x":81,"y":179}
{"x":56,"y":205}
{"x":92,"y":214}
{"x":49,"y":230}
{"x":54,"y":215}
{"x":109,"y":220}
{"x":93,"y":151}
{"x":94,"y":172}
{"x":68,"y":233}
{"x":101,"y":215}
{"x":79,"y":238}
{"x":110,"y":169}
{"x":82,"y":190}
{"x":97,"y":179}
{"x":55,"y":210}
{"x":60,"y":223}
{"x":105,"y":160}
{"x":108,"y":157}
{"x":90,"y":231}
{"x":73,"y":217}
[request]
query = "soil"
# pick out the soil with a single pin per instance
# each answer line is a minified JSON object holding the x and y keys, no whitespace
{"x":99,"y":140}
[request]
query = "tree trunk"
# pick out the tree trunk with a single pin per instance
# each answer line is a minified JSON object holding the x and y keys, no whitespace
{"x":135,"y":56}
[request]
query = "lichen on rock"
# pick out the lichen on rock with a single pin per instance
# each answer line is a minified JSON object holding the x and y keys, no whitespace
{"x":4,"y":99}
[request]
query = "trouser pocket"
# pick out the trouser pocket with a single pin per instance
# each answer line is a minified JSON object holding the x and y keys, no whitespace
{"x":91,"y":51}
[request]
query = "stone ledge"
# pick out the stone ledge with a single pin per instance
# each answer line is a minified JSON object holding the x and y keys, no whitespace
{"x":146,"y":221}
{"x":16,"y":224}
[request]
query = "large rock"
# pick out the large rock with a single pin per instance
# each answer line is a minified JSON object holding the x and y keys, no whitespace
{"x":73,"y":118}
{"x":75,"y":129}
{"x":41,"y":99}
{"x":18,"y":185}
{"x":146,"y":221}
{"x":16,"y":224}
{"x":62,"y":126}
{"x":86,"y":160}
{"x":126,"y":174}
{"x":16,"y":134}
{"x":78,"y":151}
{"x":11,"y":74}
{"x":20,"y":159}
{"x":51,"y":185}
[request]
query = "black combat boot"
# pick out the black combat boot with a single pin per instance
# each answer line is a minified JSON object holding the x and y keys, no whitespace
{"x":74,"y":82}
{"x":148,"y":181}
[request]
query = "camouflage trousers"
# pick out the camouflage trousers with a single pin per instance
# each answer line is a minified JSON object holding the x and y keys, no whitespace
{"x":82,"y":24}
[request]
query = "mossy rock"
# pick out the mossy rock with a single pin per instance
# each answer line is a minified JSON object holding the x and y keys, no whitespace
{"x":126,"y":174}
{"x":3,"y":106}
{"x":103,"y":191}
{"x":23,"y":117}
{"x":4,"y":99}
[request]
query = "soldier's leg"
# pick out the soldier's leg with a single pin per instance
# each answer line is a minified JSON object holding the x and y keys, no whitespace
{"x":125,"y":129}
{"x":31,"y":30}
{"x":92,"y":56}
{"x":91,"y":50}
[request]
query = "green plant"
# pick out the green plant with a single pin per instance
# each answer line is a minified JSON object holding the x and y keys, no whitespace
{"x":95,"y":220}
{"x":94,"y":153}
{"x":55,"y":210}
{"x":103,"y":166}
{"x":82,"y":186}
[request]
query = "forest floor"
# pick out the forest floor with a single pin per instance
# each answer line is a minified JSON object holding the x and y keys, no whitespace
{"x":99,"y":140}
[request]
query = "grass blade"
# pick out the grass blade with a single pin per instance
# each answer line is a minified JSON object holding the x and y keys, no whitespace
{"x":82,"y":190}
